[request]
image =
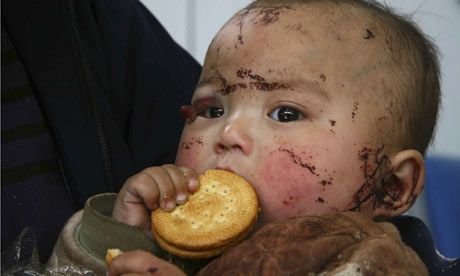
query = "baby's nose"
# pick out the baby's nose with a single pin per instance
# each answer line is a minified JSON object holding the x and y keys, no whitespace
{"x":235,"y":136}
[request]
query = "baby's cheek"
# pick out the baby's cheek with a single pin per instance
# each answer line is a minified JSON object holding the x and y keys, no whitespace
{"x":189,"y":153}
{"x":288,"y":185}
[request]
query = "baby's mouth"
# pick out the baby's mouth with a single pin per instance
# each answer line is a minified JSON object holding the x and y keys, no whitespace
{"x":225,"y":169}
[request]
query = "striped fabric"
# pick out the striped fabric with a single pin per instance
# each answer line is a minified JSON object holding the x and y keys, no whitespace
{"x":33,"y":191}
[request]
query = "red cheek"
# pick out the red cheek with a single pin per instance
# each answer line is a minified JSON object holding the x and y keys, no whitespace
{"x":287,"y":180}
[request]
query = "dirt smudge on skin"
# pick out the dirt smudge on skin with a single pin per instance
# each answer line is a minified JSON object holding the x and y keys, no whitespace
{"x":368,"y":34}
{"x":246,"y":73}
{"x":189,"y":143}
{"x":269,"y":16}
{"x":298,"y":160}
{"x":327,"y":181}
{"x":268,"y":86}
{"x":226,"y":87}
{"x":322,"y":77}
{"x":297,"y":27}
{"x":290,"y":201}
{"x":152,"y":270}
{"x":320,"y":200}
{"x":380,"y":186}
{"x":355,"y":110}
{"x":332,"y":122}
{"x":256,"y":82}
{"x":264,"y":15}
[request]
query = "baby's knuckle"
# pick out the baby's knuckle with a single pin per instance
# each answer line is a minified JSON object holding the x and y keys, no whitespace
{"x":169,"y":166}
{"x":154,"y":170}
{"x":142,"y":178}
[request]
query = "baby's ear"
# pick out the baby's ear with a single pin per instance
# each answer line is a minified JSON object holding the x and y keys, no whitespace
{"x":404,"y":185}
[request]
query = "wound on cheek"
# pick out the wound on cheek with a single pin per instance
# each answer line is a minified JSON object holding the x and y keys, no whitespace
{"x":188,"y":112}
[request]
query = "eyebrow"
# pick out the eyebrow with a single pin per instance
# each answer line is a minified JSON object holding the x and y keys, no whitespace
{"x":308,"y":86}
{"x":206,"y":81}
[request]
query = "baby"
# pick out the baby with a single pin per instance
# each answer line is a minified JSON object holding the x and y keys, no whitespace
{"x":323,"y":106}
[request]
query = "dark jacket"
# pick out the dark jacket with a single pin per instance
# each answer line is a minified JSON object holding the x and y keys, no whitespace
{"x":415,"y":234}
{"x":110,"y":81}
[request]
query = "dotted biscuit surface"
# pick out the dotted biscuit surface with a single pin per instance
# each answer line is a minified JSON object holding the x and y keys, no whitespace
{"x":221,"y":211}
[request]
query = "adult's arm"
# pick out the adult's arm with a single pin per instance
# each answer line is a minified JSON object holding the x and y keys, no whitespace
{"x":337,"y":244}
{"x":110,"y":81}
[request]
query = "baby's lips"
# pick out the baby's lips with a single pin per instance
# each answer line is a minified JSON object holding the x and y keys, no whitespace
{"x":226,"y":169}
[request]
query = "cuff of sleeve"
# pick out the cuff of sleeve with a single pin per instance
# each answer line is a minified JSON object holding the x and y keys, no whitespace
{"x":98,"y":232}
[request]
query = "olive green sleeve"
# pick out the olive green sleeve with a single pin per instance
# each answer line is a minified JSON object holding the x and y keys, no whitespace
{"x":88,"y":234}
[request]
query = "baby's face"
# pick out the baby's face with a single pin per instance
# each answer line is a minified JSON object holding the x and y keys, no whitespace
{"x":288,"y":103}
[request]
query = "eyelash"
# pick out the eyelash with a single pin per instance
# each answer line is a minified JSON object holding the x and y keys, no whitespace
{"x":210,"y":108}
{"x":298,"y":115}
{"x":203,"y":112}
{"x":206,"y":105}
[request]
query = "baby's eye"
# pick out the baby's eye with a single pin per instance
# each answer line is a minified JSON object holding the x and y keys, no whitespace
{"x":211,"y":112}
{"x":286,"y":114}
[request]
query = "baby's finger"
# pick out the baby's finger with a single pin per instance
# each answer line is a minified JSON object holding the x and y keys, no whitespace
{"x":142,"y":263}
{"x":179,"y":180}
{"x":165,"y":185}
{"x":142,"y":186}
{"x":137,"y":196}
{"x":192,"y":179}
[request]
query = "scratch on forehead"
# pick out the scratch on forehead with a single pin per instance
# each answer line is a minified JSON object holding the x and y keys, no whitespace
{"x":263,"y":15}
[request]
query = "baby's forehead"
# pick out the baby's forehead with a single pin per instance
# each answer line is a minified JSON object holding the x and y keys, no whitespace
{"x":319,"y":42}
{"x":303,"y":18}
{"x":280,"y":34}
{"x":273,"y":29}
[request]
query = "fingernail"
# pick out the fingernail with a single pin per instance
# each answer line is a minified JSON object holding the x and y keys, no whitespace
{"x":192,"y":183}
{"x":170,"y":205}
{"x":181,"y":197}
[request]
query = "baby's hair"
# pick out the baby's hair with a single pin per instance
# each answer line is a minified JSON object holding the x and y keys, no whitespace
{"x":417,"y":99}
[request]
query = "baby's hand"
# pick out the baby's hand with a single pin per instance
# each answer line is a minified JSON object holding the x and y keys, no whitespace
{"x":153,"y":187}
{"x":142,"y":263}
